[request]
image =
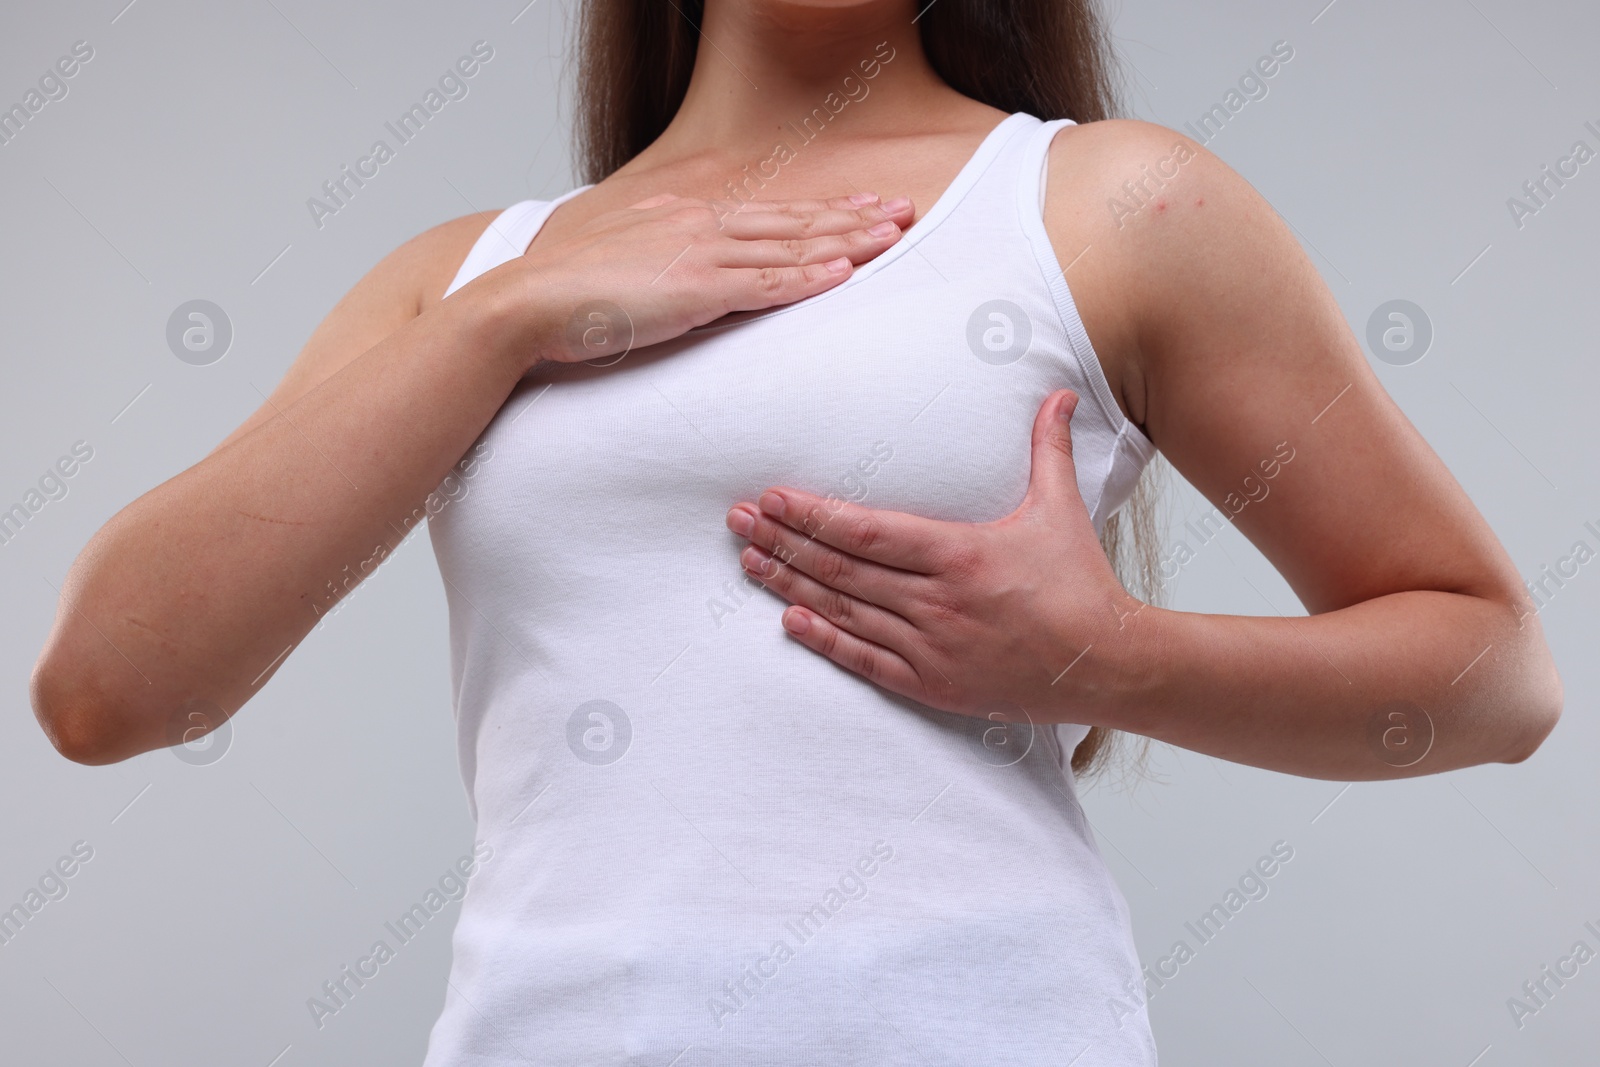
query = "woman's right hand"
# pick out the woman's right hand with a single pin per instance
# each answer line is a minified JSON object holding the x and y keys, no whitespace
{"x":653,"y":271}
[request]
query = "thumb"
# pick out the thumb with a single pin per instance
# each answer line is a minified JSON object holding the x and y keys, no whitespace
{"x":1053,"y":479}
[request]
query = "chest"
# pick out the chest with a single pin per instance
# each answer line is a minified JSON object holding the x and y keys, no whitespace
{"x":882,"y":394}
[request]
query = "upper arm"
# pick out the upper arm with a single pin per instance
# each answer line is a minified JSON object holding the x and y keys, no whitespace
{"x":399,"y":288}
{"x":1254,"y":387}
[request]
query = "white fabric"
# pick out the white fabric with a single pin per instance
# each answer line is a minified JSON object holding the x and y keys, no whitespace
{"x":651,"y":910}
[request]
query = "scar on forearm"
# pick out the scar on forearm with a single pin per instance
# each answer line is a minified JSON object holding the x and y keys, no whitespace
{"x":131,"y":621}
{"x":266,"y":518}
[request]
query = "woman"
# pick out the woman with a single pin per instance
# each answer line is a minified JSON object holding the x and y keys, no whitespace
{"x":710,"y":843}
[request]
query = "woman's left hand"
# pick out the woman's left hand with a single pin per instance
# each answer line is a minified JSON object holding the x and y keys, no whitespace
{"x":1022,"y":612}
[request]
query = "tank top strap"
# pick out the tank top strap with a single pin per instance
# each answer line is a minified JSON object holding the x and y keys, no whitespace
{"x":1033,"y":163}
{"x":1010,"y":190}
{"x":508,"y":236}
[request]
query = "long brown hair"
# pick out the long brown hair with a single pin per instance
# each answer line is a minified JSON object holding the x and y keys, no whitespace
{"x":1050,"y":58}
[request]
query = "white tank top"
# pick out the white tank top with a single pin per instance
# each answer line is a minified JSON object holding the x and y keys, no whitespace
{"x":710,"y":844}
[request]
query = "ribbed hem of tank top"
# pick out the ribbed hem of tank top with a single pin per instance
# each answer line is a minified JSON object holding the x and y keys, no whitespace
{"x":1029,"y":189}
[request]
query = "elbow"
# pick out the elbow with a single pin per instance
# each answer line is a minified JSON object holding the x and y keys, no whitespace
{"x":78,"y":723}
{"x":1540,"y":721}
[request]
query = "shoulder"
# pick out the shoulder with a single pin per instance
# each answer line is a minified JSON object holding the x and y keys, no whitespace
{"x":408,"y":280}
{"x":1112,"y":139}
{"x":1130,"y":177}
{"x":1099,"y":233}
{"x":398,"y":288}
{"x":1167,"y":230}
{"x":429,"y":261}
{"x":414,"y":275}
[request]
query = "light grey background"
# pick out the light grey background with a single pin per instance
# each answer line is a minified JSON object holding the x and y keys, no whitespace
{"x":220,"y":897}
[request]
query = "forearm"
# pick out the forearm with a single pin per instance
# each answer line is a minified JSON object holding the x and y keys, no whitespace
{"x":197,"y":589}
{"x":1405,"y":684}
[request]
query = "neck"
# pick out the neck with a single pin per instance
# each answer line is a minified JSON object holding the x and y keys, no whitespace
{"x":764,"y":67}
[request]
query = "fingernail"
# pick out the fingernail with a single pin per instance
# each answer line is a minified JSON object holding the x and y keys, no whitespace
{"x":772,"y":504}
{"x":754,"y":560}
{"x":1066,"y":408}
{"x":882,"y":229}
{"x":899,"y":203}
{"x":796,"y":622}
{"x":741,"y":522}
{"x":863,"y":199}
{"x":838,"y":266}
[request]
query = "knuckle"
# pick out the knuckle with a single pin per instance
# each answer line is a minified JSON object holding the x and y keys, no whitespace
{"x":864,"y":534}
{"x":769,"y":281}
{"x":865,"y":663}
{"x":837,"y":607}
{"x":794,"y":250}
{"x":832,"y":567}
